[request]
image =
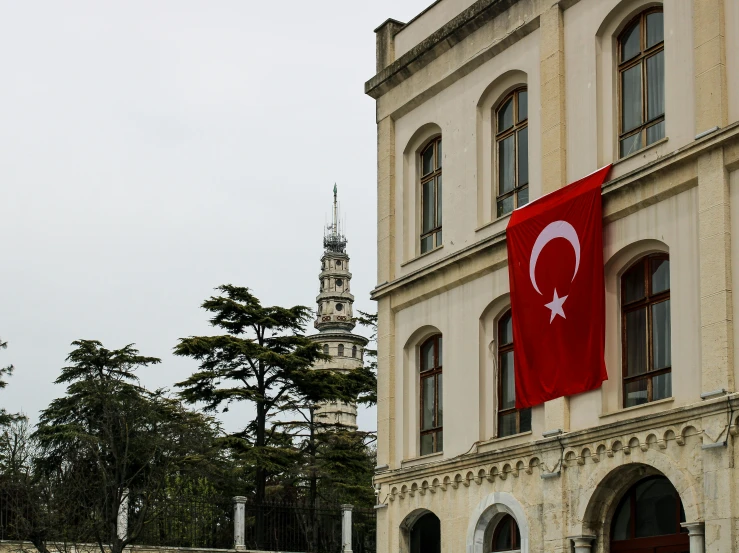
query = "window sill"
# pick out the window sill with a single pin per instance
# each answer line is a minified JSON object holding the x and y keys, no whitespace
{"x":642,"y":151}
{"x":494,"y":221}
{"x":422,"y":459}
{"x":505,"y":440}
{"x":637,"y":407}
{"x":436,"y":249}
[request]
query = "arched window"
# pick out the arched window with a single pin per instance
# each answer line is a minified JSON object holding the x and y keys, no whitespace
{"x":510,"y":420}
{"x":506,"y":536}
{"x":647,"y":337}
{"x":341,"y":349}
{"x":431,"y":196}
{"x":512,"y":146}
{"x":648,"y":518}
{"x":354,"y":351}
{"x":426,"y":535}
{"x":641,"y":77}
{"x":432,"y":436}
{"x":325,"y":349}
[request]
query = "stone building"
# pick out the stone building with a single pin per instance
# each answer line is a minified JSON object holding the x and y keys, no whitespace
{"x":335,"y":319}
{"x":527,"y":96}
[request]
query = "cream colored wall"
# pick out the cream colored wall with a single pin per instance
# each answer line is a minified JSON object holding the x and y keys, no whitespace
{"x":435,"y":16}
{"x":461,"y":113}
{"x":732,"y":57}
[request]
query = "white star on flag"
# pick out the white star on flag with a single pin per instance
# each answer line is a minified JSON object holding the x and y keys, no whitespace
{"x":555,"y":306}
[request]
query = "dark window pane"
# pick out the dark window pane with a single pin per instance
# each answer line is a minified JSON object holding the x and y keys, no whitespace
{"x":427,"y":385}
{"x":662,"y":386}
{"x":438,"y":155}
{"x":635,"y":393}
{"x":633,"y":284}
{"x":523,"y":105}
{"x":439,"y":355}
{"x":523,"y":196}
{"x":630,"y":42}
{"x":506,"y":165}
{"x":438,"y":238}
{"x":631,"y":98}
{"x":656,"y":506}
{"x":525,"y":420}
{"x":655,"y":29}
{"x":341,"y":349}
{"x":505,"y":206}
{"x":622,"y":521}
{"x":503,"y":535}
{"x":428,"y":205}
{"x":655,"y":133}
{"x":656,"y":86}
{"x":427,"y":444}
{"x":523,"y":156}
{"x":440,"y":440}
{"x":440,"y":403}
{"x":438,"y":201}
{"x":507,"y":425}
{"x":428,"y":160}
{"x":427,"y":244}
{"x":505,"y":330}
{"x":630,"y":145}
{"x":660,"y":275}
{"x":636,"y":342}
{"x":661,"y":335}
{"x":505,"y":116}
{"x":507,"y":382}
{"x":427,"y":356}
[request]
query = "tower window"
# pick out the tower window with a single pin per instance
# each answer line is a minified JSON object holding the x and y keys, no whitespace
{"x":339,"y":306}
{"x":341,"y":350}
{"x":325,"y":349}
{"x":339,"y":283}
{"x":354,"y":351}
{"x":338,"y":263}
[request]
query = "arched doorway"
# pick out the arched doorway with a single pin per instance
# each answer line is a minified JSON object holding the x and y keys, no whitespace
{"x":425,"y":534}
{"x":647,"y":519}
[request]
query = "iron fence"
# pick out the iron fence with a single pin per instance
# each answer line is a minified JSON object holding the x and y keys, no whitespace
{"x":364,"y":531}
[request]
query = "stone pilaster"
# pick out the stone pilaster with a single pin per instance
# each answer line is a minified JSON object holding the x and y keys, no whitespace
{"x":714,"y":216}
{"x":385,"y":39}
{"x":582,"y":544}
{"x":386,"y":375}
{"x":696,"y":532}
{"x":552,"y":67}
{"x":385,"y":200}
{"x":553,"y":145}
{"x":711,"y":92}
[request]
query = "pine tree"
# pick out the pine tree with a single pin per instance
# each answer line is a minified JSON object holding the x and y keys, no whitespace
{"x":5,"y":417}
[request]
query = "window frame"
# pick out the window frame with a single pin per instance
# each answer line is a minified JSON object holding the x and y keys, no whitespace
{"x":646,"y":303}
{"x":640,"y":59}
{"x":507,"y":519}
{"x":502,"y":350}
{"x":423,"y":374}
{"x":435,"y":232}
{"x":498,"y":137}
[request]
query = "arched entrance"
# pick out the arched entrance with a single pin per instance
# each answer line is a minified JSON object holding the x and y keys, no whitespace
{"x":647,"y":519}
{"x":425,"y":534}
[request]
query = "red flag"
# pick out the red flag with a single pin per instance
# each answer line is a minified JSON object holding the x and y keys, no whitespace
{"x":555,"y":267}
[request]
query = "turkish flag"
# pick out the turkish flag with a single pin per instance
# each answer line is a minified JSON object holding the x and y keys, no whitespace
{"x":555,"y":267}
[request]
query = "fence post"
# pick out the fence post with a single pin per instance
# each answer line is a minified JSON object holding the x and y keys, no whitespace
{"x":346,"y":528}
{"x":239,"y":522}
{"x":122,"y":519}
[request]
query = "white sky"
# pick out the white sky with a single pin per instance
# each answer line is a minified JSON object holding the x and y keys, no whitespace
{"x":152,"y":150}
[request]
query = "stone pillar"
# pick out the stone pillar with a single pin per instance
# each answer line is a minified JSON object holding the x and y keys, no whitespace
{"x":583,"y":544}
{"x":696,"y":532}
{"x":709,"y":55}
{"x":239,"y":522}
{"x":553,"y":145}
{"x":346,"y":528}
{"x":122,"y":519}
{"x":717,"y":328}
{"x":385,"y":42}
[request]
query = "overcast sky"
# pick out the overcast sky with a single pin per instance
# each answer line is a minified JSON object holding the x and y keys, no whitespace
{"x":152,"y":150}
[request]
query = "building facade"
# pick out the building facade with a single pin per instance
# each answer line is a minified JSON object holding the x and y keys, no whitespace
{"x":335,"y":320}
{"x":483,"y":106}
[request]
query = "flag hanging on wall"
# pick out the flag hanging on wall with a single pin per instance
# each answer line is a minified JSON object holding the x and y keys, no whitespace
{"x":555,"y":267}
